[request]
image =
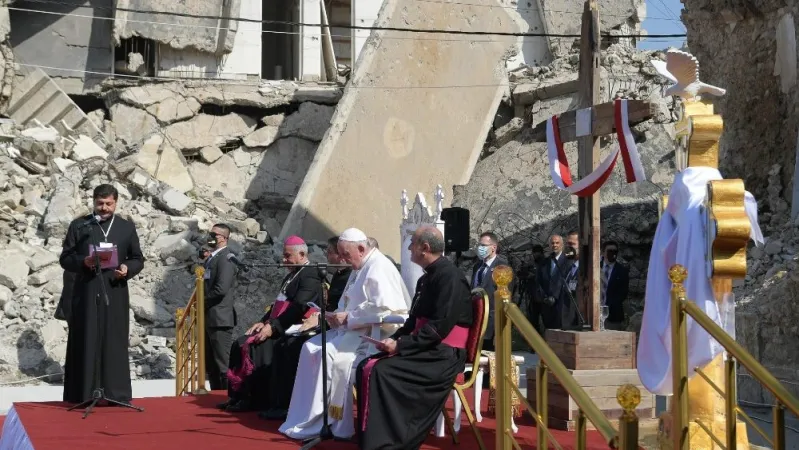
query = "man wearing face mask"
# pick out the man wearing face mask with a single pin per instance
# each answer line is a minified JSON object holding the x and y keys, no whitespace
{"x":482,"y":278}
{"x":552,"y":275}
{"x":614,"y":285}
{"x":566,"y":317}
{"x":220,"y":315}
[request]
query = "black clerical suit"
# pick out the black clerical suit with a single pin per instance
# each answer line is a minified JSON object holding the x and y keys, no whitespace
{"x":566,"y":306}
{"x":482,"y":277}
{"x":552,"y":285}
{"x":220,"y":316}
{"x":616,"y":293}
{"x":275,"y":360}
{"x":64,"y":309}
{"x":406,"y":391}
{"x":338,"y":282}
{"x":90,"y":315}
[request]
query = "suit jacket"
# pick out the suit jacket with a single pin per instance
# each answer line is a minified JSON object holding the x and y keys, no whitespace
{"x":219,"y":277}
{"x":552,"y":284}
{"x":305,"y":287}
{"x":490,"y":287}
{"x":616,"y":295}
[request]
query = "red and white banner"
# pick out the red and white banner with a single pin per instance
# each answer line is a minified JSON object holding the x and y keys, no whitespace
{"x":559,"y":165}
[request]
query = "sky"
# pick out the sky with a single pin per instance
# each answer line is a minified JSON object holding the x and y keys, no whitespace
{"x":663,"y":18}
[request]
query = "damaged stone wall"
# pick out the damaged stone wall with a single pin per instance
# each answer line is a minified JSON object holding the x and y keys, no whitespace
{"x":204,"y":31}
{"x":512,"y":193}
{"x":183,"y":156}
{"x":749,"y":48}
{"x":65,"y":36}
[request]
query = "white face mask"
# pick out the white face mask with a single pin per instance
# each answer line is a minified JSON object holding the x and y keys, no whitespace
{"x":482,"y":251}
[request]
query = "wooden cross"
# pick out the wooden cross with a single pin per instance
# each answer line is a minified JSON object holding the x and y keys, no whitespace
{"x":602,"y":123}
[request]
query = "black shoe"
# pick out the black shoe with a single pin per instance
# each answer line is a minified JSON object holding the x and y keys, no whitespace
{"x":273,"y":414}
{"x":227,"y":403}
{"x":240,"y":406}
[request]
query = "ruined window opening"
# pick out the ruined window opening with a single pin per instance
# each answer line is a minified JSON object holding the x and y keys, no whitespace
{"x":280,"y":43}
{"x":135,"y":56}
{"x":230,"y":146}
{"x":339,"y":14}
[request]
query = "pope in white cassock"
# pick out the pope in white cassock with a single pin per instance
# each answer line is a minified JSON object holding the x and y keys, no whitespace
{"x":681,"y":239}
{"x":374,"y":291}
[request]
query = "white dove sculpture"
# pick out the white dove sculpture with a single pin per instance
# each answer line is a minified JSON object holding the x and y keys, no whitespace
{"x":683,"y":70}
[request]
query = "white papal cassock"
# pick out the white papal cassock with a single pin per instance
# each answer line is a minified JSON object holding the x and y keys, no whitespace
{"x":372,"y":293}
{"x":680,"y":239}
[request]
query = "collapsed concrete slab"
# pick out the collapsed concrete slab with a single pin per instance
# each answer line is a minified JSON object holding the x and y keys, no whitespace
{"x":415,"y":113}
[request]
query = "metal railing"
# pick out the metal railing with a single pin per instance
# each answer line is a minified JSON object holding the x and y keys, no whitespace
{"x":190,"y":341}
{"x":681,"y":308}
{"x":628,"y":396}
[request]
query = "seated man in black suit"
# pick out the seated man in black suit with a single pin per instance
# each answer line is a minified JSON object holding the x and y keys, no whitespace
{"x":615,"y":283}
{"x":266,"y":343}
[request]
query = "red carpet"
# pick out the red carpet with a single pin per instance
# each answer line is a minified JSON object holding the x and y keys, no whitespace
{"x":193,"y":423}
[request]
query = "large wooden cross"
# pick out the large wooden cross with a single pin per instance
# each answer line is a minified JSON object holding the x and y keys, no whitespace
{"x":602,"y":123}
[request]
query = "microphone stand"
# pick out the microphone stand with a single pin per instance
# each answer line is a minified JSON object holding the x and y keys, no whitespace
{"x":99,"y":391}
{"x":325,"y":434}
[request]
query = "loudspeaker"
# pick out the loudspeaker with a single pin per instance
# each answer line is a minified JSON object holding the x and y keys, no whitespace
{"x":456,"y":229}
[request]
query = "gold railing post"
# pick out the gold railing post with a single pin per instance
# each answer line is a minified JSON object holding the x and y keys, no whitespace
{"x":730,"y":403}
{"x":541,"y":400}
{"x":628,"y":397}
{"x":179,"y":313}
{"x":779,"y":426}
{"x":200,"y":324}
{"x":502,"y":276}
{"x":679,"y":336}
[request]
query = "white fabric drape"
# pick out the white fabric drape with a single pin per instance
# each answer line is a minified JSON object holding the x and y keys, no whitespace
{"x":14,"y":436}
{"x":680,"y":239}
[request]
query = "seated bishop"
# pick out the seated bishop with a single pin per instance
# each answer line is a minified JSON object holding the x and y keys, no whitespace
{"x":402,"y":390}
{"x":374,"y":297}
{"x":266,"y":348}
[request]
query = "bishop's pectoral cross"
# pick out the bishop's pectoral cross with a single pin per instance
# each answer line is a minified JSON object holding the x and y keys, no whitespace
{"x":586,"y":125}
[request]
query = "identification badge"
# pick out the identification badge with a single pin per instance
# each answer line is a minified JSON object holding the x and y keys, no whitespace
{"x":207,"y":274}
{"x":106,"y":245}
{"x":281,"y":297}
{"x":572,"y":285}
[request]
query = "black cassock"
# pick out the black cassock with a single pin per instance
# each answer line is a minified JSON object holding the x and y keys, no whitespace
{"x":275,"y":360}
{"x":406,"y":391}
{"x":90,"y":315}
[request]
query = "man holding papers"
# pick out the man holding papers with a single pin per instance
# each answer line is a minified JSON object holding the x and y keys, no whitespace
{"x":374,"y":292}
{"x":99,"y":332}
{"x":251,"y":376}
{"x":402,"y":389}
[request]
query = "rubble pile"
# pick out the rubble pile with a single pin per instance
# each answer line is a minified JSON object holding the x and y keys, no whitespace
{"x":767,"y":301}
{"x":511,"y":191}
{"x":180,"y":166}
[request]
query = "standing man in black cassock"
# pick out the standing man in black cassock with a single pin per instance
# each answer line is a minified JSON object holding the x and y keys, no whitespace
{"x":89,"y":313}
{"x":406,"y":385}
{"x":220,"y":313}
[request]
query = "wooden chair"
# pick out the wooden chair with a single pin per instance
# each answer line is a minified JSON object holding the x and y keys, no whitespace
{"x":474,"y":348}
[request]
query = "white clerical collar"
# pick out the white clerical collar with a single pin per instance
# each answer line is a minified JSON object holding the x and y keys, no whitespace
{"x":489,"y":261}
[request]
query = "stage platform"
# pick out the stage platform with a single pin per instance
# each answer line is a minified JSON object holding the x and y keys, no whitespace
{"x":194,"y":423}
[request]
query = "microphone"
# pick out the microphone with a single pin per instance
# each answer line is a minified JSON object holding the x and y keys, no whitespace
{"x":90,"y":221}
{"x":232,"y":258}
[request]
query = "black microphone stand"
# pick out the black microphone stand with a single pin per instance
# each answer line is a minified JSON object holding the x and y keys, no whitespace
{"x":99,"y":391}
{"x":325,"y":434}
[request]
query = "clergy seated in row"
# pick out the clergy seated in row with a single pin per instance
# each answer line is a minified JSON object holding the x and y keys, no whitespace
{"x":375,"y":297}
{"x":264,"y":360}
{"x":402,"y":390}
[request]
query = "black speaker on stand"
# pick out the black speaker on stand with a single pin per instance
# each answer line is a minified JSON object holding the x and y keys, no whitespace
{"x":456,"y":230}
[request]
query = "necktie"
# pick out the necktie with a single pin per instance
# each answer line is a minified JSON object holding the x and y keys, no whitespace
{"x":605,"y":276}
{"x":480,"y":273}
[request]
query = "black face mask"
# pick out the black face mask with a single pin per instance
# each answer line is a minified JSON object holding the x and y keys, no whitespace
{"x":570,"y":253}
{"x":612,"y":255}
{"x":212,"y":238}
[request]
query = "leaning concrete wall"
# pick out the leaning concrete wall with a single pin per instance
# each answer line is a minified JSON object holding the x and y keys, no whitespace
{"x":416,"y":113}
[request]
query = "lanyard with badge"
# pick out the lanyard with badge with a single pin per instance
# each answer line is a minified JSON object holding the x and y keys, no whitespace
{"x":107,"y":251}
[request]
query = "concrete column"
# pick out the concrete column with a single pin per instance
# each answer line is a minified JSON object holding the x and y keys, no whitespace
{"x":311,"y":46}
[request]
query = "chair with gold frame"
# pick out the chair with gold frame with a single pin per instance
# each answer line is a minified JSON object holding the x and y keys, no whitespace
{"x":474,"y":348}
